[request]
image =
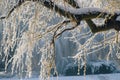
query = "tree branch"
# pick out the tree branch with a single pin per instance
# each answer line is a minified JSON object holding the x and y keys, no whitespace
{"x":20,"y":2}
{"x":79,"y":14}
{"x":73,"y":3}
{"x":87,"y":14}
{"x":55,"y":35}
{"x":91,"y":24}
{"x":68,"y":29}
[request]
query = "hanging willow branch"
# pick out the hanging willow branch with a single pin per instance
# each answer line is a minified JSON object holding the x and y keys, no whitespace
{"x":78,"y":14}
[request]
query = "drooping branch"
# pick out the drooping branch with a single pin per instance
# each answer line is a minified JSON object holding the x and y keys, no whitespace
{"x":79,"y":14}
{"x":87,"y":14}
{"x":19,"y":3}
{"x":67,"y":29}
{"x":76,"y":14}
{"x":55,"y":35}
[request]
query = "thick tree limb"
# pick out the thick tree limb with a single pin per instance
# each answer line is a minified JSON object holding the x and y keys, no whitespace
{"x":95,"y":28}
{"x":91,"y":24}
{"x":79,"y":14}
{"x":90,"y":13}
{"x":87,"y":14}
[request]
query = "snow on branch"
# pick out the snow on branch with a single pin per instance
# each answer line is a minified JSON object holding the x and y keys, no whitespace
{"x":86,"y":14}
{"x":78,"y":14}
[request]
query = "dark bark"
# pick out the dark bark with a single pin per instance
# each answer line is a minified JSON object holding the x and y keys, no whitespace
{"x":88,"y":21}
{"x":73,"y":3}
{"x":78,"y":14}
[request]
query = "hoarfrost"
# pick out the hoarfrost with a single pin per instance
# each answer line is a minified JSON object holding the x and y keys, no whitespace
{"x":28,"y":24}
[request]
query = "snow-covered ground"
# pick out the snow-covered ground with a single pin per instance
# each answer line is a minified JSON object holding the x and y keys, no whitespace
{"x":115,"y":76}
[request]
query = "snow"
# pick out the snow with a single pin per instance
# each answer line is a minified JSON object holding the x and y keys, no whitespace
{"x":67,"y":52}
{"x":115,"y":76}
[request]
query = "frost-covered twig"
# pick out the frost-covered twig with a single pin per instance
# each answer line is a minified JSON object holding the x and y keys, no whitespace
{"x":80,"y":14}
{"x":20,"y":2}
{"x":68,"y":29}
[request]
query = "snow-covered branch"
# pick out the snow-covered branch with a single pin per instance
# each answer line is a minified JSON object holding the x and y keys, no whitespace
{"x":78,"y":14}
{"x":87,"y":14}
